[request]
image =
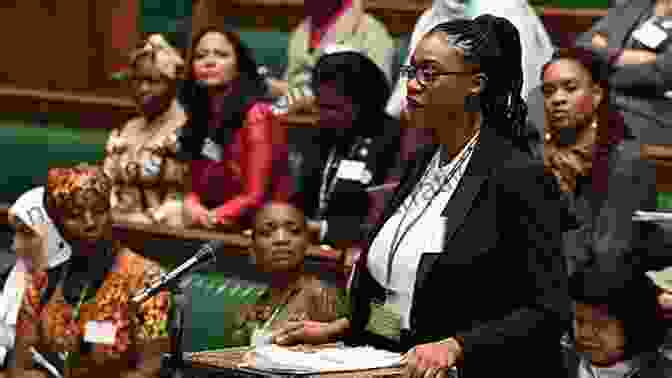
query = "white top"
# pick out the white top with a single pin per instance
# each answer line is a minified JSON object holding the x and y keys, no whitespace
{"x":618,"y":370}
{"x":427,"y":235}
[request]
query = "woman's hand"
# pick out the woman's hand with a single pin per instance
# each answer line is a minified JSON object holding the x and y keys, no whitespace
{"x":600,"y":41}
{"x":303,"y":332}
{"x":195,"y":213}
{"x":433,"y":359}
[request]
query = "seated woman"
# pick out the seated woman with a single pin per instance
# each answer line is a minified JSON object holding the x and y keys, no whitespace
{"x":635,"y":39}
{"x":140,"y":158}
{"x":280,"y":241}
{"x":609,"y":338}
{"x":355,"y":150}
{"x":39,"y":246}
{"x":238,"y":151}
{"x":329,"y":23}
{"x":589,"y":150}
{"x":80,"y":317}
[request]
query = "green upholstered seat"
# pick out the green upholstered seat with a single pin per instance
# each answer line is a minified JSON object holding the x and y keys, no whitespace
{"x":215,"y":301}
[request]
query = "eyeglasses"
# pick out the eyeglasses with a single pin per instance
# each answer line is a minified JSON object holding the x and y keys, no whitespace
{"x":426,"y":75}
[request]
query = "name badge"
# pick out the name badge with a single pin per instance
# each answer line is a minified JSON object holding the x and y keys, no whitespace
{"x":212,"y":151}
{"x":351,"y":170}
{"x":261,"y":337}
{"x":650,"y":35}
{"x":384,"y":321}
{"x":100,"y":332}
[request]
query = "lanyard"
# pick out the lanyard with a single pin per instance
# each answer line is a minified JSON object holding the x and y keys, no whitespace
{"x":327,"y":187}
{"x":397,"y":239}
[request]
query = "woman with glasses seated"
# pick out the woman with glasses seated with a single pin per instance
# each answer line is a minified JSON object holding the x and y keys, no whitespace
{"x":472,"y":214}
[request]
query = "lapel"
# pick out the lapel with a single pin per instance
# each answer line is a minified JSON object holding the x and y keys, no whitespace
{"x":490,"y":149}
{"x":625,"y":21}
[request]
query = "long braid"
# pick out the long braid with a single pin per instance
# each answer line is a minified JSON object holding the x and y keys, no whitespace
{"x":493,"y":43}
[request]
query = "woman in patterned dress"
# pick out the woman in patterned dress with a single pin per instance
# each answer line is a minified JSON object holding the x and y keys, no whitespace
{"x":141,"y":155}
{"x":280,"y":241}
{"x":79,"y":317}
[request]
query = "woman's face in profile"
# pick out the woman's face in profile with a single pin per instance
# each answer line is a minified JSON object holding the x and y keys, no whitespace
{"x":598,"y":334}
{"x":215,"y":61}
{"x":447,"y":81}
{"x":336,"y":110}
{"x":570,"y":96}
{"x":280,"y":238}
{"x":152,"y":91}
{"x":87,"y":218}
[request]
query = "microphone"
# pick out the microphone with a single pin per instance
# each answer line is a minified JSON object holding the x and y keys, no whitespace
{"x":205,"y":255}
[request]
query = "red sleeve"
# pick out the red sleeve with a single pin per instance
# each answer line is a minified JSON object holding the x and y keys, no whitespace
{"x":258,"y":159}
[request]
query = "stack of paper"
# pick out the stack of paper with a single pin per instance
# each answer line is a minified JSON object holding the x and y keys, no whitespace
{"x":274,"y":358}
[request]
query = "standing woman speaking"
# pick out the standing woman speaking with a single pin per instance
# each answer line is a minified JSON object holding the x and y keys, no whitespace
{"x":465,"y":269}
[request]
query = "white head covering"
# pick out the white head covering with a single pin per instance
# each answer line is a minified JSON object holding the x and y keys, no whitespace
{"x":29,"y":208}
{"x":536,"y":44}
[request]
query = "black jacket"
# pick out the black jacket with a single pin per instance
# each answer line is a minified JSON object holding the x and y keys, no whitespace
{"x":638,"y":91}
{"x":500,"y":281}
{"x":349,"y":203}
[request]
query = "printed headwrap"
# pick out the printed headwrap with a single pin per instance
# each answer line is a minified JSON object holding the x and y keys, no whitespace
{"x":29,"y":209}
{"x":63,"y":184}
{"x":166,"y":59}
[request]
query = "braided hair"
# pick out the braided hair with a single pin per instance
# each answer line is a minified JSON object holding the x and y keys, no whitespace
{"x":493,"y":44}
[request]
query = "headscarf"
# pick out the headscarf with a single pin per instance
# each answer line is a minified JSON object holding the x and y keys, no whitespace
{"x":63,"y":184}
{"x":29,"y":209}
{"x":166,"y":59}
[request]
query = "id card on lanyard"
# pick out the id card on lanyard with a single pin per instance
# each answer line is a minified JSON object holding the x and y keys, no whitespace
{"x":385,"y":318}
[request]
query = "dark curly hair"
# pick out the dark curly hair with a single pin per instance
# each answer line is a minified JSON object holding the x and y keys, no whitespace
{"x":493,"y":44}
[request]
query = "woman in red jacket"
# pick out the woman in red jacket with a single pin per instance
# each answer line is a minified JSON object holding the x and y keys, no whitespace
{"x":238,"y":150}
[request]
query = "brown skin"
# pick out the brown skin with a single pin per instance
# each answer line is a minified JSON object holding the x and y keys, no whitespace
{"x":598,"y":334}
{"x":30,"y":242}
{"x":570,"y":96}
{"x":152,"y":91}
{"x":336,"y":111}
{"x":440,"y":105}
{"x":215,"y":61}
{"x":279,"y":240}
{"x":88,"y":220}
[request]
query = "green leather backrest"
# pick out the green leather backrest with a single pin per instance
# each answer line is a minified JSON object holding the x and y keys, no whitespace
{"x":215,"y":301}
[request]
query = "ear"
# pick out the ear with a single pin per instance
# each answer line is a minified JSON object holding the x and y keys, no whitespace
{"x":479,"y":83}
{"x":598,"y":95}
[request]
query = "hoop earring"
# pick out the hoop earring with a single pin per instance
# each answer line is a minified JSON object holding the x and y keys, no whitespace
{"x":472,"y":104}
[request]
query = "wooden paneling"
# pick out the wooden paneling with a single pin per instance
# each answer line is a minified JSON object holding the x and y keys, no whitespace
{"x":46,"y":44}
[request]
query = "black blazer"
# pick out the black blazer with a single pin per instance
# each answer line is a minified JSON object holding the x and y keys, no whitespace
{"x":349,"y":203}
{"x":638,"y":91}
{"x":500,"y":280}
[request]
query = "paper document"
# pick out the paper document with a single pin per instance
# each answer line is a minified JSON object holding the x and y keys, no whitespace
{"x":652,"y":216}
{"x":273,"y":358}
